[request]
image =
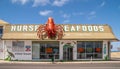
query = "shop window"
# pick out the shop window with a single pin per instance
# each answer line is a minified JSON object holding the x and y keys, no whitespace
{"x":89,"y":49}
{"x":98,"y":50}
{"x":81,"y":50}
{"x":1,"y":32}
{"x":49,"y":50}
{"x":18,"y":46}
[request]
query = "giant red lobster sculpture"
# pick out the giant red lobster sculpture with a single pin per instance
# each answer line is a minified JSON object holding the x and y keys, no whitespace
{"x":50,"y":30}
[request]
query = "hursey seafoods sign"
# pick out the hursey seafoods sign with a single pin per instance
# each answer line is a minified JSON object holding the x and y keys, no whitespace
{"x":67,"y":28}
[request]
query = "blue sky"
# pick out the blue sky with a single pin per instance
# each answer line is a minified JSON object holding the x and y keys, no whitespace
{"x":63,"y":12}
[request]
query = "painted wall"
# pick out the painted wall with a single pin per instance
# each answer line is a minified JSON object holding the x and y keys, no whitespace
{"x":1,"y":50}
{"x":21,"y":55}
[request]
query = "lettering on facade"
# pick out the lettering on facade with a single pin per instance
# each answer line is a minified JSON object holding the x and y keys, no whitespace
{"x":24,"y":28}
{"x":22,"y":53}
{"x":67,"y":28}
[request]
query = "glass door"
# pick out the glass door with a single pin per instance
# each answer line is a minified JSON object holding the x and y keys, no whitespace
{"x":67,"y":53}
{"x":36,"y":51}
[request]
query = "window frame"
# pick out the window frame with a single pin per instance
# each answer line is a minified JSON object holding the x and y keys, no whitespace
{"x":17,"y":47}
{"x":93,"y":53}
{"x":49,"y":55}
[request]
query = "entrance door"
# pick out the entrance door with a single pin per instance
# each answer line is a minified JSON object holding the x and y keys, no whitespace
{"x":36,"y":51}
{"x":67,"y":53}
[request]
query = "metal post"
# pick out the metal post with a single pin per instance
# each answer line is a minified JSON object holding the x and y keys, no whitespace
{"x":91,"y":59}
{"x":53,"y":59}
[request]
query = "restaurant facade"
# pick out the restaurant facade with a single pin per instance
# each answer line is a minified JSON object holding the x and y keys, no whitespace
{"x":76,"y":42}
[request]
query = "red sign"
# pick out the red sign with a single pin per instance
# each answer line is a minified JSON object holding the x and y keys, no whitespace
{"x":80,"y":50}
{"x":98,"y":49}
{"x":49,"y":50}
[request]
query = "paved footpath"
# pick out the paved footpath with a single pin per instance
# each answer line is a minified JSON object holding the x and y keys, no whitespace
{"x":31,"y":62}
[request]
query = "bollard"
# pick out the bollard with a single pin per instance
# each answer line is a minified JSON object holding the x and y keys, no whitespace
{"x":91,"y":59}
{"x":53,"y":60}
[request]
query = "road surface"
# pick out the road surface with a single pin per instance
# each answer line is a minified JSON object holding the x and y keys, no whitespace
{"x":60,"y":66}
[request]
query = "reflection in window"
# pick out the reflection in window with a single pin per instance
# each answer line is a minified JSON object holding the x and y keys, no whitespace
{"x":1,"y":32}
{"x":98,"y":50}
{"x":18,"y":46}
{"x":89,"y":49}
{"x":81,"y":50}
{"x":49,"y":50}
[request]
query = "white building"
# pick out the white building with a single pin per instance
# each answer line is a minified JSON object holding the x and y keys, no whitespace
{"x":80,"y":42}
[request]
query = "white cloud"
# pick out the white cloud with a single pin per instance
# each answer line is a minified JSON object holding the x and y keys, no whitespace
{"x":59,"y":2}
{"x":20,"y":1}
{"x":91,"y":17}
{"x":40,"y":3}
{"x":102,"y":4}
{"x":65,"y":16}
{"x":45,"y":12}
{"x":92,"y":13}
{"x":66,"y":21}
{"x":78,"y":13}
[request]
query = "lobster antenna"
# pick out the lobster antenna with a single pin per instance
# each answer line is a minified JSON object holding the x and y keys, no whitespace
{"x":50,"y":20}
